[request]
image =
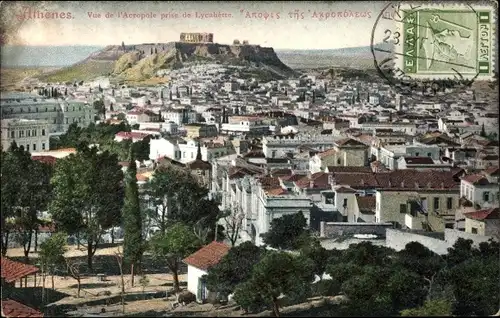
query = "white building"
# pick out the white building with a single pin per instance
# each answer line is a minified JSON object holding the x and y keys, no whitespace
{"x":185,"y":151}
{"x":198,"y":265}
{"x":180,"y":116}
{"x":33,"y":135}
{"x":244,"y":125}
{"x":59,"y":113}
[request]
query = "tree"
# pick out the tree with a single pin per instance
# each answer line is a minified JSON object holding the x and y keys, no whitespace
{"x":313,"y":250}
{"x":51,"y":254}
{"x":87,"y":200}
{"x":234,"y":223}
{"x":141,"y":149}
{"x":119,"y":261}
{"x":26,"y":183}
{"x":285,"y":231}
{"x":74,"y":270}
{"x":233,"y":269}
{"x":483,"y":131}
{"x":179,"y":198}
{"x":177,"y":243}
{"x":132,"y":221}
{"x":438,"y":307}
{"x":99,"y":107}
{"x":277,"y":273}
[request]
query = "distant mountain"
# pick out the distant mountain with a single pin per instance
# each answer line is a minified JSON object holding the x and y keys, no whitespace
{"x":44,"y":56}
{"x":142,"y":62}
{"x":355,"y":57}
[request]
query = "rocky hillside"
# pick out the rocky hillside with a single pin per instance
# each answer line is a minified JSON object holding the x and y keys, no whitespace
{"x":141,"y":62}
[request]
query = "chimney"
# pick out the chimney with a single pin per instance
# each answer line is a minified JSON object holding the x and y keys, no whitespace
{"x":429,"y":185}
{"x":402,"y":184}
{"x":442,"y":185}
{"x":331,"y":179}
{"x":390,"y":184}
{"x":416,"y":185}
{"x":311,"y":184}
{"x":362,"y":182}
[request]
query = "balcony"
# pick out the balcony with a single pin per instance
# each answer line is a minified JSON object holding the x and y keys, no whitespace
{"x":413,"y":222}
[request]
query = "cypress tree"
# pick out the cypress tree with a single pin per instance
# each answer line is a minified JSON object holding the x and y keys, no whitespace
{"x":483,"y":131}
{"x":132,"y":221}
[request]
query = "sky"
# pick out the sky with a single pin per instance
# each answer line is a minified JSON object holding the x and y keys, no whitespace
{"x":243,"y":21}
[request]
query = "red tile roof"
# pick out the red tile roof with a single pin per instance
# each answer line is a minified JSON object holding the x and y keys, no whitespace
{"x":490,"y":214}
{"x":366,"y":204}
{"x":45,"y":159}
{"x":132,"y":135}
{"x":418,"y":160}
{"x":492,"y":171}
{"x":207,"y":256}
{"x":12,"y":271}
{"x":476,"y":179}
{"x":11,"y":308}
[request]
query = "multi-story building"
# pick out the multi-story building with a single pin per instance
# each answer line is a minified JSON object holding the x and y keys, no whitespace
{"x":280,"y":146}
{"x":185,"y":151}
{"x":33,"y":135}
{"x":197,"y":130}
{"x":59,"y":113}
{"x":238,"y":125}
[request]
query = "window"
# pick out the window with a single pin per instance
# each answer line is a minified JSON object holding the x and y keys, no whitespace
{"x":12,"y":134}
{"x":21,"y":133}
{"x":473,"y":230}
{"x":429,"y":154}
{"x":28,"y":133}
{"x":339,"y":161}
{"x":33,"y":133}
{"x":416,"y":154}
{"x":402,"y":208}
{"x":36,"y":109}
{"x":66,"y":120}
{"x":27,"y":147}
{"x":448,"y":225}
{"x":436,"y":203}
{"x":345,"y":203}
{"x":43,"y":146}
{"x":34,"y":147}
{"x":449,"y":203}
{"x":486,"y":196}
{"x":184,"y":154}
{"x":43,"y":132}
{"x":46,"y":109}
{"x":54,"y":121}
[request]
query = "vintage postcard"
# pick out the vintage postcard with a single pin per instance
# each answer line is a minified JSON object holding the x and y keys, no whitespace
{"x":246,"y":158}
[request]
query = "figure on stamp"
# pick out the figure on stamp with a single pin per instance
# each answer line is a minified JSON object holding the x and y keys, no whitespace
{"x":447,"y":45}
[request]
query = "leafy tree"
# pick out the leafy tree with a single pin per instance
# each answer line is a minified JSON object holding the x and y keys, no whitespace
{"x":87,"y":200}
{"x":99,"y":107}
{"x":437,"y":307}
{"x":285,"y":231}
{"x":25,"y":191}
{"x":141,"y":149}
{"x":51,"y":253}
{"x":277,"y":273}
{"x":177,"y":243}
{"x":132,"y":221}
{"x":234,"y":268}
{"x":313,"y":250}
{"x":179,"y":198}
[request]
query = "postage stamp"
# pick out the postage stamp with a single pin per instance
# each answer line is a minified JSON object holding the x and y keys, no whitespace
{"x":440,"y":41}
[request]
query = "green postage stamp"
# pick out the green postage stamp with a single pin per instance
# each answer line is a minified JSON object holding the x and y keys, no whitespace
{"x":448,"y":40}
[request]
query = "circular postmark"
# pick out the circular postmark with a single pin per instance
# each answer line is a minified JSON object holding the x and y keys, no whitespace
{"x":429,"y":47}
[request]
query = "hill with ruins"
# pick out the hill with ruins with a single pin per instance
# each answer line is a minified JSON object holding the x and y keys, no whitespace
{"x":135,"y":63}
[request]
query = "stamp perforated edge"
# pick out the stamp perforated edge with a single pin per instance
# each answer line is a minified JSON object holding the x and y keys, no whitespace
{"x":492,"y":6}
